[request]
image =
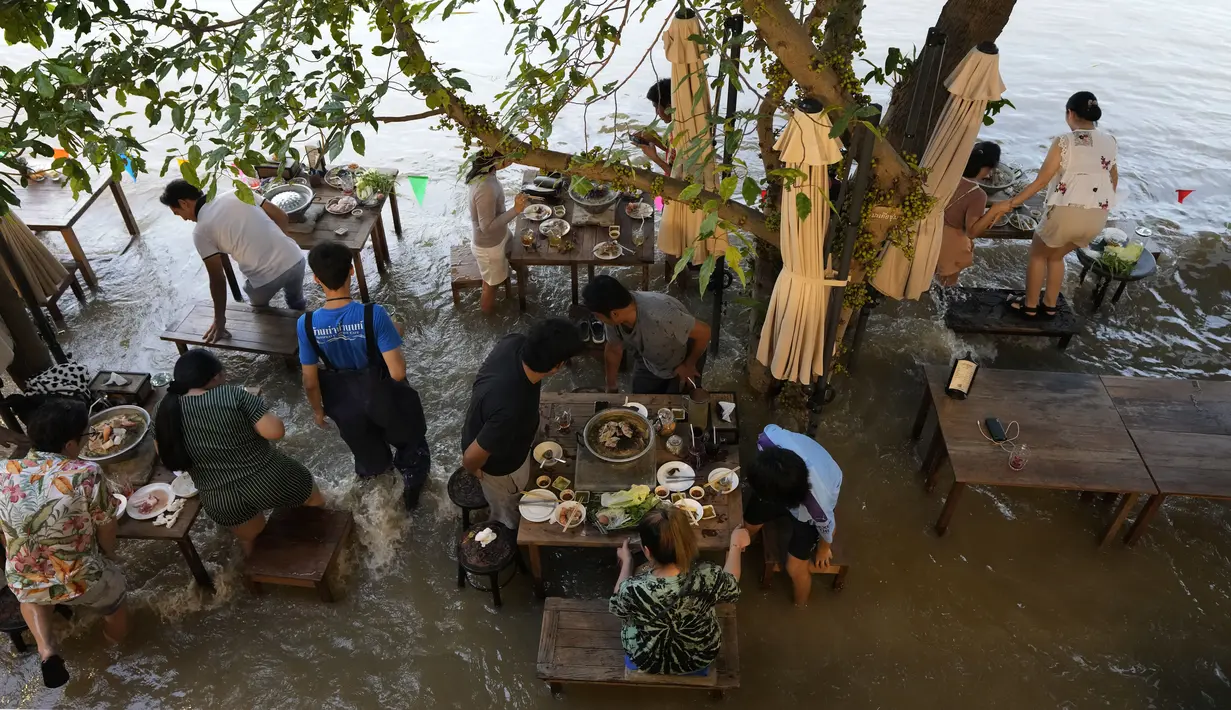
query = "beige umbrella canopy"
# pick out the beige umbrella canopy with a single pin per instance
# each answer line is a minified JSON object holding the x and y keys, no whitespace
{"x":40,"y":267}
{"x":974,"y":82}
{"x":692,"y":139}
{"x":793,"y":337}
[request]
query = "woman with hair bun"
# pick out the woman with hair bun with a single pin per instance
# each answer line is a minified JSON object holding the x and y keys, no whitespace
{"x":1081,"y":178}
{"x":670,"y":627}
{"x":222,"y":434}
{"x":967,"y":216}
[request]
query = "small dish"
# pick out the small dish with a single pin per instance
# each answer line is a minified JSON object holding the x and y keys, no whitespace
{"x":542,"y":481}
{"x":676,"y":476}
{"x":696,"y":492}
{"x":613,"y":232}
{"x":569,"y":514}
{"x":121,"y":504}
{"x":639,"y":210}
{"x":707,"y":512}
{"x":537,"y":212}
{"x":541,"y":453}
{"x":537,"y":506}
{"x":561,"y":483}
{"x":341,"y":205}
{"x":638,"y":408}
{"x":183,"y":487}
{"x":1145,"y":232}
{"x":567,"y":494}
{"x":559,"y":211}
{"x":341,"y":231}
{"x":662,"y":493}
{"x":356,"y":212}
{"x":607,"y":251}
{"x":693,"y":508}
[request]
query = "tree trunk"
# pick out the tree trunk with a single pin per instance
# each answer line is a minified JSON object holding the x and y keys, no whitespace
{"x":965,"y":23}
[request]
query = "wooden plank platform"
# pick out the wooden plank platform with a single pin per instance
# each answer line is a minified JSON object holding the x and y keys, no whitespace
{"x":986,"y":310}
{"x":297,"y":548}
{"x":268,"y":331}
{"x":580,"y":643}
{"x":464,"y":272}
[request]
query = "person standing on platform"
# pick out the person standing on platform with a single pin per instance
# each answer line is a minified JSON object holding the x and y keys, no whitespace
{"x":355,"y":374}
{"x":490,"y":223}
{"x":503,"y":414}
{"x":668,"y":343}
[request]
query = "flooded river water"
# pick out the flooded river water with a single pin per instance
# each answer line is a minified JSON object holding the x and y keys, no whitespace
{"x":1015,"y":608}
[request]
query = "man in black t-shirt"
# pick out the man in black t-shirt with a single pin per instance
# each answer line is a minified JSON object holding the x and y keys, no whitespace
{"x":504,"y":411}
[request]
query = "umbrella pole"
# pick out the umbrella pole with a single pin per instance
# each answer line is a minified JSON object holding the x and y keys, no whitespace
{"x":734,"y":26}
{"x":859,"y":190}
{"x":914,"y":139}
{"x":27,"y":293}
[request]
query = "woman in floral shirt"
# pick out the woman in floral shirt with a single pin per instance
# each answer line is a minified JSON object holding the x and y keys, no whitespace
{"x":58,"y":521}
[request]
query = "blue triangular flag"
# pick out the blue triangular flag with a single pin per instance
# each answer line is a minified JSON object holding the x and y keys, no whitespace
{"x":128,"y":166}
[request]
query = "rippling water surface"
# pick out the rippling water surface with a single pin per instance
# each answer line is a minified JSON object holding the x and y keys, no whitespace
{"x":1016,"y":608}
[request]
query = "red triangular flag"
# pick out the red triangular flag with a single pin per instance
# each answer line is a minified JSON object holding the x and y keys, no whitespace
{"x":1181,"y":194}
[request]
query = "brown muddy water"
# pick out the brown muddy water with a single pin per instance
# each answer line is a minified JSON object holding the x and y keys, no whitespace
{"x":1015,"y":608}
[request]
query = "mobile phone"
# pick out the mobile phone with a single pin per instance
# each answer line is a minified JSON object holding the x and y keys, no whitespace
{"x":636,"y":139}
{"x":600,"y":406}
{"x":994,"y":429}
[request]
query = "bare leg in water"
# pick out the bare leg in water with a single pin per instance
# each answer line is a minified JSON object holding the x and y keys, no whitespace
{"x":38,"y":620}
{"x":248,"y":532}
{"x":488,"y":301}
{"x":1046,"y":265}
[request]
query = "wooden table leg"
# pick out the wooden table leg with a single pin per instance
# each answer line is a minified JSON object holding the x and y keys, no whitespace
{"x":126,"y":212}
{"x":645,"y":277}
{"x":1143,"y":519}
{"x":194,"y":562}
{"x":536,"y":570}
{"x":230,"y":272}
{"x":1119,"y":292}
{"x":955,"y":494}
{"x":938,"y":458}
{"x":380,"y":248}
{"x":359,"y":277}
{"x":1126,"y":507}
{"x":574,"y":274}
{"x":397,"y":217}
{"x":523,"y":275}
{"x":74,"y":248}
{"x":921,"y":418}
{"x":589,"y":272}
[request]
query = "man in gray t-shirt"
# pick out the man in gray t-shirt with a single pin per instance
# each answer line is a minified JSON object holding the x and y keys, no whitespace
{"x":668,"y":343}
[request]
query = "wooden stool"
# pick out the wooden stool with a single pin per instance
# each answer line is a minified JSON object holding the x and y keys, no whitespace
{"x":775,"y":537}
{"x":12,"y":623}
{"x":297,"y":548}
{"x":1091,"y":260}
{"x":466,"y":493}
{"x":465,"y":274}
{"x":490,"y":561}
{"x":580,"y":643}
{"x":51,"y":303}
{"x":986,"y":310}
{"x":264,"y":330}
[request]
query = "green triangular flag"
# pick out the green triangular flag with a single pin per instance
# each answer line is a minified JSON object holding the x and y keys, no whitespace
{"x":418,"y":185}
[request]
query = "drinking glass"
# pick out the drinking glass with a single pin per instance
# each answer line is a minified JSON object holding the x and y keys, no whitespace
{"x":1018,"y":458}
{"x":564,"y":420}
{"x":697,"y":403}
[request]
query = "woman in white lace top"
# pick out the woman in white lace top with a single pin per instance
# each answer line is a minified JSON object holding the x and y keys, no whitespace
{"x":1080,"y":176}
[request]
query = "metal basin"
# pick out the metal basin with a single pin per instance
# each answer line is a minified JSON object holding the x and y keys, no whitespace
{"x":597,"y":200}
{"x":129,"y":449}
{"x":293,"y":199}
{"x":644,"y":440}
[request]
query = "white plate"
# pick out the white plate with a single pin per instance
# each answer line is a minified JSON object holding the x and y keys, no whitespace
{"x":693,"y":508}
{"x":639,"y":210}
{"x":554,"y":225}
{"x":718,"y":473}
{"x":1145,"y":232}
{"x":686,"y":476}
{"x":537,"y":212}
{"x":140,"y":494}
{"x":121,"y":505}
{"x":609,"y":256}
{"x":541,"y":450}
{"x":335,"y":206}
{"x":537,"y":505}
{"x":183,"y":487}
{"x":639,"y":408}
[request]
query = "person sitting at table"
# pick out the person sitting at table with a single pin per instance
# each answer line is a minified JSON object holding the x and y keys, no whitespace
{"x":795,"y":477}
{"x":251,"y":234}
{"x":670,"y":627}
{"x":1081,"y":178}
{"x":58,"y":522}
{"x":649,"y":141}
{"x":489,"y":221}
{"x":222,"y":434}
{"x":503,"y":415}
{"x":354,"y":372}
{"x":967,"y":216}
{"x":668,"y":343}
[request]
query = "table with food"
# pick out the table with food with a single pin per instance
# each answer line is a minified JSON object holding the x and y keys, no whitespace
{"x":1006,"y":181}
{"x":571,"y":224}
{"x":602,"y":461}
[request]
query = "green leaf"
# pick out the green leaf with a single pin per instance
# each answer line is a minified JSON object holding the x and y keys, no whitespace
{"x":690,"y":193}
{"x":751,"y":191}
{"x":685,"y":260}
{"x":243,"y":192}
{"x":803,"y":206}
{"x":45,"y":88}
{"x":734,"y":259}
{"x":189,"y":174}
{"x":708,"y":224}
{"x":839,"y":126}
{"x":380,"y":51}
{"x":68,"y":75}
{"x":582,"y":186}
{"x":458,"y":82}
{"x":194,"y":155}
{"x":727,"y":188}
{"x":707,"y":271}
{"x":356,"y":141}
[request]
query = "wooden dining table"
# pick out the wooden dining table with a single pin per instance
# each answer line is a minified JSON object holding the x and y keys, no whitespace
{"x":713,"y":534}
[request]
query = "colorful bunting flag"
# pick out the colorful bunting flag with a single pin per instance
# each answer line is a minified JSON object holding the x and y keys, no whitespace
{"x":1181,"y":194}
{"x":128,"y":166}
{"x":658,"y":203}
{"x":418,"y":185}
{"x":59,"y":153}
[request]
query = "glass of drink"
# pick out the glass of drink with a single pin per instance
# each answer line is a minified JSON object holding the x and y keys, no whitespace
{"x":697,"y":403}
{"x":527,"y":239}
{"x":1018,"y":458}
{"x":564,"y":420}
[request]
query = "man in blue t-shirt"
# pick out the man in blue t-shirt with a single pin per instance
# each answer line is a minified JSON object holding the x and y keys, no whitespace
{"x":354,"y":373}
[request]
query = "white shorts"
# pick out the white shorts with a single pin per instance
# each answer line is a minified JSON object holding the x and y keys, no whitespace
{"x":493,"y":264}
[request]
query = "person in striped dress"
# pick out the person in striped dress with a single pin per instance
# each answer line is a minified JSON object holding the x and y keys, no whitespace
{"x":223,"y":435}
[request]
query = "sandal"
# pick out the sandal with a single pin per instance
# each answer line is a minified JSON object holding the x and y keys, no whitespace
{"x":1018,"y":305}
{"x":1049,"y":312}
{"x":54,"y":672}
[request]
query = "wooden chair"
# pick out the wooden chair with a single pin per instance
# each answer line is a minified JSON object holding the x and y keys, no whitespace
{"x":774,"y":539}
{"x":465,"y":272}
{"x":52,"y":301}
{"x":298,"y":547}
{"x":580,"y":643}
{"x":264,"y":330}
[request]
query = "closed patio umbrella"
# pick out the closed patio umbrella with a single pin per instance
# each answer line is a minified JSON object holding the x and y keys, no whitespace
{"x":692,"y":139}
{"x":793,"y":337}
{"x":974,"y":82}
{"x":42,"y":269}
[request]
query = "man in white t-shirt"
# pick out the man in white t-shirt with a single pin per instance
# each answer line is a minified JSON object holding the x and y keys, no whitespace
{"x":250,"y":234}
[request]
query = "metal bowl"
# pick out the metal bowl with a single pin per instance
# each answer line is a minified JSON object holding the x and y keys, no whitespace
{"x":589,"y":436}
{"x":293,"y":199}
{"x":129,"y":449}
{"x":597,"y":200}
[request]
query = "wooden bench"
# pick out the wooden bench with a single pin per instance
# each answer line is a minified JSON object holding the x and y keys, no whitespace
{"x":465,"y":273}
{"x":264,"y":330}
{"x":298,"y":547}
{"x":774,"y":539}
{"x":986,"y":310}
{"x":580,"y":643}
{"x":52,"y":301}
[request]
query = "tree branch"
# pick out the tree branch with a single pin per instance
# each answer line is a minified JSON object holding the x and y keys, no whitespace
{"x":411,"y":117}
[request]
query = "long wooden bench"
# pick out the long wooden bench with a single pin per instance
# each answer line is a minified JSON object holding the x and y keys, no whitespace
{"x":465,"y":274}
{"x":580,"y":643}
{"x":774,"y":539}
{"x":986,"y":310}
{"x":264,"y":330}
